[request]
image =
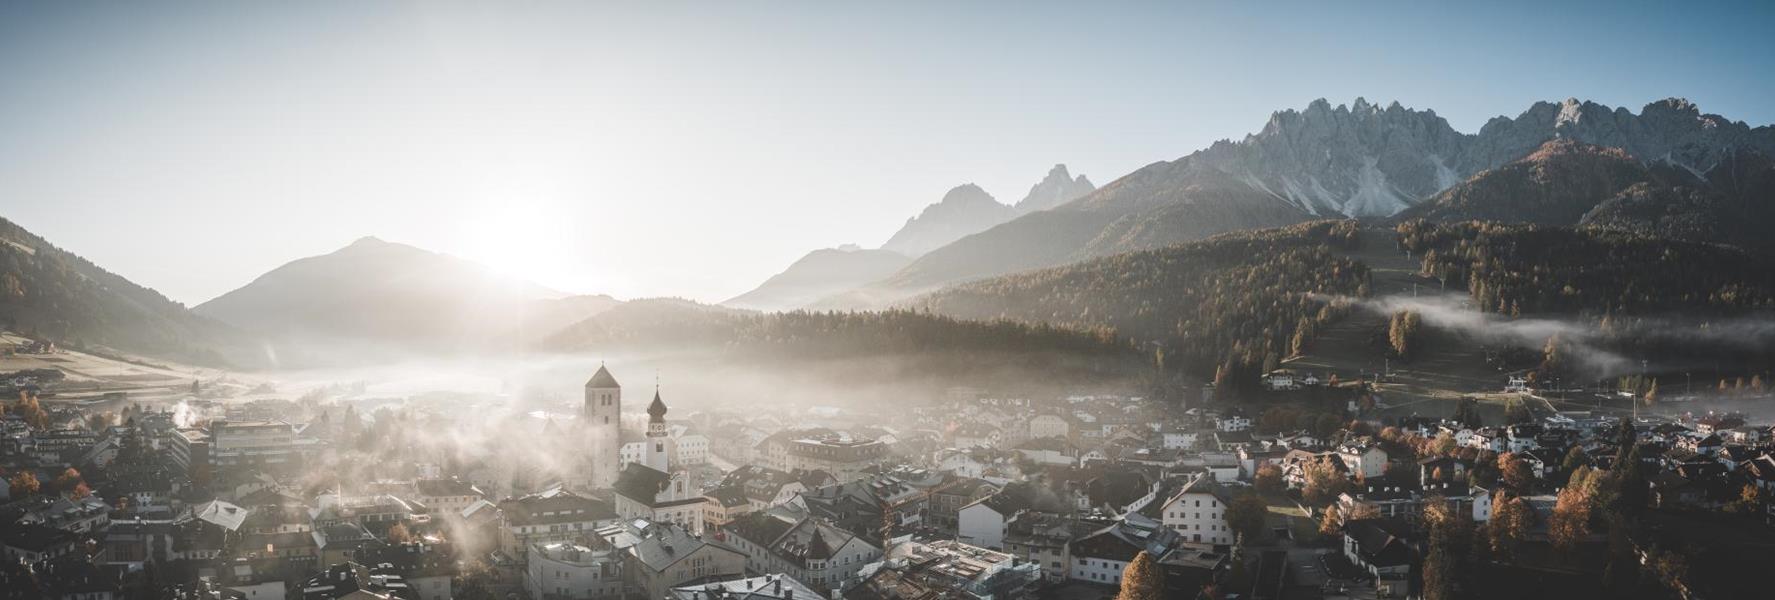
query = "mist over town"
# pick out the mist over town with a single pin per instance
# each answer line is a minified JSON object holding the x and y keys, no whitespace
{"x":777,"y":301}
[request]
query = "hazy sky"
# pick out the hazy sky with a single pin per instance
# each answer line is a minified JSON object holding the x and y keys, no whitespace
{"x":693,"y":150}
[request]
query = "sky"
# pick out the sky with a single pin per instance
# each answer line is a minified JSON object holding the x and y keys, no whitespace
{"x":693,"y":150}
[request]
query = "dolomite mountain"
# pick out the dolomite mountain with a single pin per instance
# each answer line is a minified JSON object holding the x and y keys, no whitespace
{"x":1357,"y":160}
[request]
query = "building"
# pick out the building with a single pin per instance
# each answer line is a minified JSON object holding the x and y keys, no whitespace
{"x":1102,"y":556}
{"x":1363,"y":457}
{"x":724,"y":504}
{"x":668,"y":556}
{"x":951,"y":569}
{"x":809,"y":549}
{"x":570,"y":571}
{"x":446,"y":497}
{"x":774,"y":586}
{"x":1049,"y":425}
{"x":357,"y":582}
{"x":845,"y":457}
{"x":1376,"y":546}
{"x":602,"y":429}
{"x":645,"y":493}
{"x":551,"y":516}
{"x":1197,"y":512}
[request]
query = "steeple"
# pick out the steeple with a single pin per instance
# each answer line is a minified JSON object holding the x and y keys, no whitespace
{"x":656,"y":412}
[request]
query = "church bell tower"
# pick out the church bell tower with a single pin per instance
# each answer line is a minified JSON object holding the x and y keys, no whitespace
{"x":602,"y":414}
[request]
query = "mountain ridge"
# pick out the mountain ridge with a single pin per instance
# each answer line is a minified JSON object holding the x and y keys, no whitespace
{"x":1362,"y":159}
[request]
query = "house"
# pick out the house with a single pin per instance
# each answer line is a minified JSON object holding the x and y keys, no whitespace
{"x":1378,"y":547}
{"x":1746,"y":434}
{"x":947,"y":500}
{"x":29,"y":543}
{"x":983,"y":522}
{"x":1363,"y":456}
{"x":1101,"y":556}
{"x":1197,"y":513}
{"x":667,"y":556}
{"x":446,"y":497}
{"x":1042,"y":538}
{"x":724,"y":504}
{"x":1233,"y":421}
{"x":1450,"y":469}
{"x":808,"y":549}
{"x":551,"y":516}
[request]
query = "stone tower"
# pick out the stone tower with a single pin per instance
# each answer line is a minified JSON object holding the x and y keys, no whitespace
{"x":603,"y":430}
{"x":658,"y":453}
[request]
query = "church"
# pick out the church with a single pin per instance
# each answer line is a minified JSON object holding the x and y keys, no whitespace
{"x":651,"y":485}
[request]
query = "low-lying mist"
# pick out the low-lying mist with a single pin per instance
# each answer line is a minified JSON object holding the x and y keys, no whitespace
{"x":1603,"y":348}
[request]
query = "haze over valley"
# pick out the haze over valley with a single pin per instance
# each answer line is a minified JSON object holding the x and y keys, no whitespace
{"x":377,"y":301}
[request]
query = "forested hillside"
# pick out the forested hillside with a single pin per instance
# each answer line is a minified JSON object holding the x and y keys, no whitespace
{"x":50,"y":293}
{"x":933,"y":344}
{"x":1234,"y":302}
{"x":1525,"y":269}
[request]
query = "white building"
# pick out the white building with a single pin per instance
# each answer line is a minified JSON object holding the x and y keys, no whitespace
{"x":1197,"y":512}
{"x":569,"y":571}
{"x":1364,"y":457}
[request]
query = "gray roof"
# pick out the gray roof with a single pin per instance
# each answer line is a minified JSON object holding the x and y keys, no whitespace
{"x":602,"y":379}
{"x":664,"y":544}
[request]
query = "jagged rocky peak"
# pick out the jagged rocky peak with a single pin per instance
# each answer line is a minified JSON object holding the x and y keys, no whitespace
{"x":965,"y":210}
{"x":1360,"y":159}
{"x":1057,"y":188}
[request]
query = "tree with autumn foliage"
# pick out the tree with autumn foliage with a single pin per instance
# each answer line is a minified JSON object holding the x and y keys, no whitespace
{"x":32,"y":412}
{"x":1141,"y":580}
{"x":23,"y":484}
{"x":1330,"y":525}
{"x":1268,"y":479}
{"x":1448,"y":562}
{"x":1508,"y":525}
{"x":1570,"y":521}
{"x":1324,"y":483}
{"x":1515,"y":471}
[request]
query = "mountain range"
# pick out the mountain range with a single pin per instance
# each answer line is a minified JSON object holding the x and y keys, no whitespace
{"x":1360,"y":160}
{"x":1666,"y":172}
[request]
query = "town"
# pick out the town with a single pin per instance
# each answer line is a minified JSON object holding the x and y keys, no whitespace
{"x":1310,"y":492}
